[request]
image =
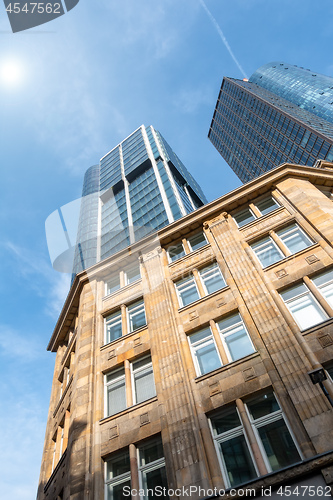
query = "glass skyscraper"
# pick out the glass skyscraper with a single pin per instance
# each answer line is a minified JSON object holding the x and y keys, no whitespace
{"x":138,"y":187}
{"x":283,"y":113}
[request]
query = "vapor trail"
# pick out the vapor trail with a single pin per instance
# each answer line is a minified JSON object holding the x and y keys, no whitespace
{"x":224,"y":40}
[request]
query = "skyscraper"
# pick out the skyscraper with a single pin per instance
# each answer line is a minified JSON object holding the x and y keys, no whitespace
{"x":282,"y":114}
{"x":138,"y":187}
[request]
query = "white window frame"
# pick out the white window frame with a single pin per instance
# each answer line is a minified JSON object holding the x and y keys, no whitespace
{"x":137,"y":307}
{"x":107,"y":384}
{"x":122,"y":478}
{"x":265,"y":199}
{"x":107,"y":286}
{"x":292,"y":228}
{"x":212,"y":269}
{"x":257,"y":248}
{"x":324,"y":285}
{"x":230,"y":330}
{"x":193,"y":236}
{"x":255,"y":203}
{"x":143,"y":469}
{"x":247,"y":209}
{"x":194,"y":347}
{"x":226,"y":436}
{"x":265,"y":420}
{"x":138,"y":370}
{"x":178,"y":258}
{"x":182,"y":283}
{"x":299,"y":296}
{"x":134,"y":265}
{"x":116,"y":315}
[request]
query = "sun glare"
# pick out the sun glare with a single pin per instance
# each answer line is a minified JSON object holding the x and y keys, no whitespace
{"x":10,"y":73}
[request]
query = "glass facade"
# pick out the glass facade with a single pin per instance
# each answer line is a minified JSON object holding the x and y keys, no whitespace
{"x":256,"y":129}
{"x":139,"y":187}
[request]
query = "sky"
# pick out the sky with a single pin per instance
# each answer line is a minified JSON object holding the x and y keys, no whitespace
{"x":83,"y":83}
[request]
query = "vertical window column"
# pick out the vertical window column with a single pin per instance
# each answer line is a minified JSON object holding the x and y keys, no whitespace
{"x":251,"y":437}
{"x":128,"y":385}
{"x":219,"y":342}
{"x":255,"y":210}
{"x":279,"y":244}
{"x":133,"y":456}
{"x":124,"y":319}
{"x":314,"y":290}
{"x":186,"y":246}
{"x":199,"y":283}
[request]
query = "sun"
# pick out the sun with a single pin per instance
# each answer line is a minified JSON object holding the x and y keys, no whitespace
{"x":11,"y":73}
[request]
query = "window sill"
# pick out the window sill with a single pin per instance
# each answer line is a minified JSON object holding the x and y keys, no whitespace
{"x":223,"y":368}
{"x":135,"y":332}
{"x":202,"y":299}
{"x":127,"y":410}
{"x":196,"y":252}
{"x":318,"y":326}
{"x":126,"y":287}
{"x":290,"y":257}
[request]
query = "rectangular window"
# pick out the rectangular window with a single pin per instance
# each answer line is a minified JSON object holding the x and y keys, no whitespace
{"x":143,"y":380}
{"x":176,"y":252}
{"x":187,"y":291}
{"x":244,"y":217}
{"x":277,"y":444}
{"x":267,"y":251}
{"x":132,"y":273}
{"x":197,"y":241}
{"x":204,"y":352}
{"x":113,"y":327}
{"x":267,"y":205}
{"x":264,"y":206}
{"x":233,"y":450}
{"x":212,"y":278}
{"x":294,"y":238}
{"x":303,"y":306}
{"x":136,"y":316}
{"x":235,"y":337}
{"x":115,"y":392}
{"x":152,"y":472}
{"x":324,"y":283}
{"x":117,"y":475}
{"x":112,"y":284}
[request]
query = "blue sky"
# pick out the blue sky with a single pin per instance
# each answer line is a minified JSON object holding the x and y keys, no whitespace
{"x":88,"y":79}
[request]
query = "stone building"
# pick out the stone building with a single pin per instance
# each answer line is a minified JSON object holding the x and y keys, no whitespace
{"x":183,"y":361}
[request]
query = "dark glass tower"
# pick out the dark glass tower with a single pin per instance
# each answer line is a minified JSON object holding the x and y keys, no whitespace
{"x":282,"y":114}
{"x":138,"y":187}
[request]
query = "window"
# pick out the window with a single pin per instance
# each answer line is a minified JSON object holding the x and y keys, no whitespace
{"x":142,"y":385}
{"x":212,"y":278}
{"x":204,"y":351}
{"x":275,"y":440}
{"x":187,"y":291}
{"x":127,"y":275}
{"x":118,"y":475}
{"x":136,"y":318}
{"x":235,"y":337}
{"x":115,"y":391}
{"x":195,"y":242}
{"x":324,"y":283}
{"x":143,"y":380}
{"x":303,"y":306}
{"x":233,"y":450}
{"x":255,"y":210}
{"x":152,"y":468}
{"x":293,"y":238}
{"x":113,"y":327}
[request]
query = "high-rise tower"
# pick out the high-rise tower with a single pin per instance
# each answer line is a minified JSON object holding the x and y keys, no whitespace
{"x":282,"y":114}
{"x":138,"y":187}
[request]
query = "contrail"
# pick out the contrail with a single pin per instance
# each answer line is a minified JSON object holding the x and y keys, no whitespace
{"x":224,"y":40}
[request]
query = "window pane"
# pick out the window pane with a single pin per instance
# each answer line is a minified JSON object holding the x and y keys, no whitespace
{"x":294,"y":238}
{"x":212,"y":278}
{"x":237,"y":460}
{"x":203,"y":334}
{"x":306,"y":311}
{"x":137,"y":316}
{"x":115,"y":492}
{"x":154,"y":478}
{"x":267,"y":252}
{"x":187,"y":291}
{"x":294,"y":291}
{"x":244,"y":217}
{"x":151,"y":452}
{"x":116,"y":395}
{"x":197,"y":241}
{"x":133,"y":274}
{"x":113,"y":284}
{"x":208,"y":358}
{"x":267,"y":205}
{"x":263,"y":405}
{"x":239,"y":344}
{"x":117,"y":466}
{"x":113,"y":327}
{"x":324,"y":283}
{"x":176,"y":252}
{"x":225,"y":422}
{"x":144,"y":385}
{"x":279,"y":445}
